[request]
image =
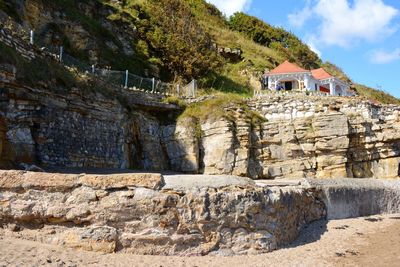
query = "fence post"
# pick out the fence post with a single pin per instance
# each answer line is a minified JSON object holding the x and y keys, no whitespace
{"x":126,"y":78}
{"x":153,"y":86}
{"x":31,"y":37}
{"x":61,"y":53}
{"x":194,"y":88}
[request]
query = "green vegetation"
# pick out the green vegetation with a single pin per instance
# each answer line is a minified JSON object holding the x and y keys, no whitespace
{"x":219,"y":107}
{"x":174,"y":40}
{"x":375,"y":95}
{"x":174,"y":100}
{"x":177,"y":39}
{"x":285,"y":43}
{"x":55,"y":76}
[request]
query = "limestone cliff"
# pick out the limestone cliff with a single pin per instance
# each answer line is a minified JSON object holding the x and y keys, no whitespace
{"x":303,"y":136}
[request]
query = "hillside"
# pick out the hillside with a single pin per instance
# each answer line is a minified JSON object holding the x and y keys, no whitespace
{"x":173,"y":40}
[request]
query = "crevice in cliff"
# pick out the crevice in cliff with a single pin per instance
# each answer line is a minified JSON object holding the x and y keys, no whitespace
{"x":359,"y":157}
{"x":235,"y":145}
{"x":255,"y":168}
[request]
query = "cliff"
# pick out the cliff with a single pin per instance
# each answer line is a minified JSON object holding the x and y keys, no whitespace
{"x":53,"y":116}
{"x":303,"y":136}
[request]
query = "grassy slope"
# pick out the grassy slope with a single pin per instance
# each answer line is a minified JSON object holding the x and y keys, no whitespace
{"x":229,"y":78}
{"x":258,"y":57}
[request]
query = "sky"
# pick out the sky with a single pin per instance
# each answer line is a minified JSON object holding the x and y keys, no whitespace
{"x":360,"y":36}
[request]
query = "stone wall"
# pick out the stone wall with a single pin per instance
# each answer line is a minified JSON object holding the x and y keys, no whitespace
{"x":133,"y":213}
{"x":350,"y":198}
{"x":301,"y":137}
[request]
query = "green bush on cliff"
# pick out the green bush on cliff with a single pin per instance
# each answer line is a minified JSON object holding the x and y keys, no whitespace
{"x":221,"y":106}
{"x":280,"y":40}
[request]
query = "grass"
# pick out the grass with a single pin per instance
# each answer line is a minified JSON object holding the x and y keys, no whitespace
{"x":230,"y":78}
{"x":58,"y":78}
{"x":376,"y":95}
{"x":217,"y":108}
{"x":174,"y":100}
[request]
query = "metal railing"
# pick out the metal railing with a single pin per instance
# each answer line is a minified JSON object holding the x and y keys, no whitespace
{"x":118,"y":78}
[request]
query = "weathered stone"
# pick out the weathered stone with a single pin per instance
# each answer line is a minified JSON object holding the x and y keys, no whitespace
{"x":187,"y":182}
{"x":235,"y":216}
{"x":118,"y":181}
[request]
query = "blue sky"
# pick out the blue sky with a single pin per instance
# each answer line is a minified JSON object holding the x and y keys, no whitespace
{"x":360,"y":36}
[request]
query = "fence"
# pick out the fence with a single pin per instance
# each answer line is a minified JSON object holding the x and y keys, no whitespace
{"x":123,"y":79}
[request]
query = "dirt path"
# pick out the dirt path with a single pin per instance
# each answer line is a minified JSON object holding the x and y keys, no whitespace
{"x":372,"y":241}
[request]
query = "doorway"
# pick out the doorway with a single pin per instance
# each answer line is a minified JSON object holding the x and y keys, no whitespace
{"x":288,"y":85}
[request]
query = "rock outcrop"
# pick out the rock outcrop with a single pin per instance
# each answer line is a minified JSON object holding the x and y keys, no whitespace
{"x":134,"y":213}
{"x":304,"y":136}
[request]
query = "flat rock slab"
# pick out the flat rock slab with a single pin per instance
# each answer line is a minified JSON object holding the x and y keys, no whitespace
{"x":278,"y":183}
{"x":115,"y":181}
{"x":187,"y":182}
{"x":354,"y":183}
{"x":57,"y":182}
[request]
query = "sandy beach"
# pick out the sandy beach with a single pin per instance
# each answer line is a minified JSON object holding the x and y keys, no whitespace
{"x":369,"y":241}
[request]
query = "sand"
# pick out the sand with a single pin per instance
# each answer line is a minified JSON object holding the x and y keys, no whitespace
{"x":371,"y":241}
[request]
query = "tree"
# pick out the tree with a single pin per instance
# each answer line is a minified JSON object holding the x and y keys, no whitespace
{"x":175,"y":37}
{"x":286,"y":43}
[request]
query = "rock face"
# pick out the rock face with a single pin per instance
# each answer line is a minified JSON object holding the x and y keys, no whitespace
{"x":136,"y":215}
{"x":305,"y":136}
{"x":302,"y":137}
{"x":77,"y":129}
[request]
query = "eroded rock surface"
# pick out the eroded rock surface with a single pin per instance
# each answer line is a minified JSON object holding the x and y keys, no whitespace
{"x":93,"y":213}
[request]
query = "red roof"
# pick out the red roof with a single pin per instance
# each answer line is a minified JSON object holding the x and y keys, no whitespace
{"x":321,"y":74}
{"x":287,"y":67}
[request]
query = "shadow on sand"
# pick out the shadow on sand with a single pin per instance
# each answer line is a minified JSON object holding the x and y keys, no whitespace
{"x":309,"y":234}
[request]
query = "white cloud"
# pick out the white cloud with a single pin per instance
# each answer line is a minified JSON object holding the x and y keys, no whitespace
{"x":229,"y":7}
{"x":299,"y":18}
{"x":384,"y":57}
{"x":345,"y":22}
{"x":311,"y":42}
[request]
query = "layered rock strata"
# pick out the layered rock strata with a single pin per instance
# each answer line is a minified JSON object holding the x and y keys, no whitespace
{"x":303,"y":136}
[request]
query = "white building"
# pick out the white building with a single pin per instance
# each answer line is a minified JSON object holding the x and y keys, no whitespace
{"x":289,"y":76}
